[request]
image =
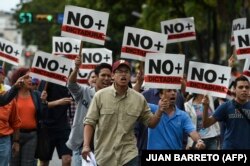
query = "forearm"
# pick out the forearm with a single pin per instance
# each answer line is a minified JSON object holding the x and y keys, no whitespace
{"x":73,"y":75}
{"x":88,"y":132}
{"x":8,"y":96}
{"x":154,"y":120}
{"x":195,"y":136}
{"x":206,"y":121}
{"x":137,"y":86}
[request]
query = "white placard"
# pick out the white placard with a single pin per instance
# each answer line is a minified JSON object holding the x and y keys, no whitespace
{"x":91,"y":58}
{"x":208,"y":79}
{"x":67,"y":47}
{"x":246,"y":69}
{"x":10,"y":52}
{"x":164,"y":71}
{"x":138,"y":42}
{"x":85,"y":24}
{"x":238,"y":24}
{"x":50,"y":68}
{"x":242,"y":43}
{"x":179,"y":30}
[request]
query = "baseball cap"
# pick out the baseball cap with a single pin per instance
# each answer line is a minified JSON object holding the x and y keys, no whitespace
{"x":119,"y":63}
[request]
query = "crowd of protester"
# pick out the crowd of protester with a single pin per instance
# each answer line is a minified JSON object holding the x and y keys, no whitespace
{"x":112,"y":118}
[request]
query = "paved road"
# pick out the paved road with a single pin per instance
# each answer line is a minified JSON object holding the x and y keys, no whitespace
{"x":55,"y":160}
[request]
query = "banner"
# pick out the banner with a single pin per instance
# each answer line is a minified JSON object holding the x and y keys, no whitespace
{"x":164,"y":71}
{"x":138,"y":42}
{"x":85,"y":24}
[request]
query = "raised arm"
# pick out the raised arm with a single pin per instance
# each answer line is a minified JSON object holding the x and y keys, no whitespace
{"x":207,"y":121}
{"x":139,"y":81}
{"x":73,"y":75}
{"x":9,"y":95}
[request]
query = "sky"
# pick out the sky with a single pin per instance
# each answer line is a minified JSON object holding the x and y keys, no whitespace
{"x":7,"y":5}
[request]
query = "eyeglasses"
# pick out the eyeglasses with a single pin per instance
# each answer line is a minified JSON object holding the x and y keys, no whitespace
{"x":122,"y":71}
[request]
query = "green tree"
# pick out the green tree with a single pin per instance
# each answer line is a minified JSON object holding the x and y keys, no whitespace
{"x":213,"y":21}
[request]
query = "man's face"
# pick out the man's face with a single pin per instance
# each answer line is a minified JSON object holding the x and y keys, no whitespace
{"x":242,"y":90}
{"x":170,"y":95}
{"x":103,"y":80}
{"x":122,"y":76}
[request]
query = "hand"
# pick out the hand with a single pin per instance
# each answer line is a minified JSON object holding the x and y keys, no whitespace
{"x":20,"y":82}
{"x":205,"y":100}
{"x":163,"y":104}
{"x":78,"y":61}
{"x":85,"y":152}
{"x":200,"y":145}
{"x":15,"y":148}
{"x":231,"y":61}
{"x":44,"y":95}
{"x":64,"y":101}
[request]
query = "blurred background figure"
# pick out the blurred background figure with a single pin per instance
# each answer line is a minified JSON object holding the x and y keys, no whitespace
{"x":7,"y":80}
{"x":35,"y":83}
{"x":92,"y":79}
{"x":3,"y":87}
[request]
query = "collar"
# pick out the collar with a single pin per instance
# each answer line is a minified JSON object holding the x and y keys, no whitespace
{"x":114,"y":91}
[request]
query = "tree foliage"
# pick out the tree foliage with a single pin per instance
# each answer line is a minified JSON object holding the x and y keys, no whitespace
{"x":213,"y":21}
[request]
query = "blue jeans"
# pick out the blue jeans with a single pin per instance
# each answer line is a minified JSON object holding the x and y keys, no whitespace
{"x":5,"y":149}
{"x":77,"y":157}
{"x":211,"y":143}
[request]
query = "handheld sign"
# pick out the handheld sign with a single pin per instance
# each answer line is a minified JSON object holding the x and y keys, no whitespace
{"x":137,"y":42}
{"x":164,"y":71}
{"x":179,"y":30}
{"x":208,"y":79}
{"x":242,"y":43}
{"x":91,"y":58}
{"x":50,"y":68}
{"x":67,"y":47}
{"x":85,"y":24}
{"x":246,"y":69}
{"x":10,"y":52}
{"x":238,"y":24}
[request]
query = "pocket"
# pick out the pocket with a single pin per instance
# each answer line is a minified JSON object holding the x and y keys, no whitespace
{"x":130,"y":118}
{"x":107,"y":118}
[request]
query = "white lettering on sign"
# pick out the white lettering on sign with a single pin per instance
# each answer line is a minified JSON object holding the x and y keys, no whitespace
{"x":67,"y":47}
{"x":51,"y":68}
{"x":85,"y":24}
{"x":242,"y":43}
{"x":10,"y":52}
{"x":179,"y":30}
{"x":138,"y":42}
{"x":238,"y":24}
{"x":164,"y":70}
{"x":208,"y":79}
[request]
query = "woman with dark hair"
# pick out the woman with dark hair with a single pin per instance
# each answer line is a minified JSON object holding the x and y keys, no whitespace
{"x":29,"y":107}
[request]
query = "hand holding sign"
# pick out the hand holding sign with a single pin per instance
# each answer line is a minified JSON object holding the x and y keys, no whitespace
{"x":231,"y":61}
{"x":78,"y":62}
